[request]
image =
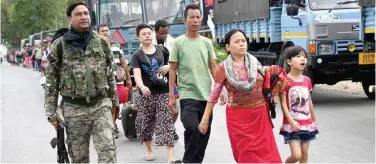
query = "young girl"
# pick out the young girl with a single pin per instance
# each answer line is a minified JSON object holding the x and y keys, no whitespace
{"x":299,"y":120}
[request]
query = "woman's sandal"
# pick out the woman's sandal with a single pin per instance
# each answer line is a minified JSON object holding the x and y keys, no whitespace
{"x":176,"y":161}
{"x":149,"y":158}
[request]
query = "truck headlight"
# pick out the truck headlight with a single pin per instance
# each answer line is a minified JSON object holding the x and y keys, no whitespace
{"x":326,"y":48}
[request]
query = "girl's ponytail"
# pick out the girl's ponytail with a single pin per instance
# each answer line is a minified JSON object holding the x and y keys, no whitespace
{"x":283,"y":59}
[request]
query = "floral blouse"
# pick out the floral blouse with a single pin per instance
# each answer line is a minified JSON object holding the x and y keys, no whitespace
{"x":236,"y":98}
{"x":252,"y":99}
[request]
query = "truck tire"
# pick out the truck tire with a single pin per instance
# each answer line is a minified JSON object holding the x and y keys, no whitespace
{"x":310,"y":74}
{"x":366,"y":84}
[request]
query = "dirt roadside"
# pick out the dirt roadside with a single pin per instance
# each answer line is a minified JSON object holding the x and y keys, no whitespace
{"x":343,"y":86}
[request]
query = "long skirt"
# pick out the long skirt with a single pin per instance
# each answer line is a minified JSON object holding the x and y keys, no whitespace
{"x":251,"y":135}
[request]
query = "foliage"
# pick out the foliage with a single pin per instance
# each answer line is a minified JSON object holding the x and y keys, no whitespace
{"x":8,"y":29}
{"x":21,"y":18}
{"x":220,"y":52}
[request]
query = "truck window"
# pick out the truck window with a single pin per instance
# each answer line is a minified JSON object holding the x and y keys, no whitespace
{"x":170,"y":10}
{"x":329,"y":4}
{"x":276,"y":3}
{"x":117,"y":13}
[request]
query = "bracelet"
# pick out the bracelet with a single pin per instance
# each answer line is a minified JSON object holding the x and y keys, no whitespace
{"x":204,"y":121}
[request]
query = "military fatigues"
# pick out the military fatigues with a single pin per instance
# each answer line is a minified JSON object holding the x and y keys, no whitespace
{"x":87,"y":84}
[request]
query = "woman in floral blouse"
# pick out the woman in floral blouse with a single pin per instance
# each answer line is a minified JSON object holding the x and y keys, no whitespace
{"x":248,"y":121}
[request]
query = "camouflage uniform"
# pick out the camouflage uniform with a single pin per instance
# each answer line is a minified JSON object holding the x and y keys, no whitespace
{"x":87,"y":84}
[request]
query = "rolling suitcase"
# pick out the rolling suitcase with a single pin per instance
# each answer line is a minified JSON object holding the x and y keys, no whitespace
{"x":128,"y":116}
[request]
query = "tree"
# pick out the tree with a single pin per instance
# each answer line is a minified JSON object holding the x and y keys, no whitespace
{"x":21,"y":18}
{"x":35,"y":16}
{"x":9,"y":31}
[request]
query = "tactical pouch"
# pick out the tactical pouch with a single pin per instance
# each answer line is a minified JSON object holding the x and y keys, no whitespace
{"x":67,"y":87}
{"x":80,"y":84}
{"x":100,"y":80}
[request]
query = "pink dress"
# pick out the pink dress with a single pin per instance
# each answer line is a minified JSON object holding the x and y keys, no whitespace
{"x":298,"y":98}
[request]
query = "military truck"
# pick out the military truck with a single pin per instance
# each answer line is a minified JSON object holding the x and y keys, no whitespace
{"x":330,"y":31}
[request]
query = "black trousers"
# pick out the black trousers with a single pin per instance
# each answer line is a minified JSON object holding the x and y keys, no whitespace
{"x":194,"y":142}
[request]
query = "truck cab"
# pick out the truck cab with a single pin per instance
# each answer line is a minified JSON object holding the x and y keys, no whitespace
{"x":329,"y":30}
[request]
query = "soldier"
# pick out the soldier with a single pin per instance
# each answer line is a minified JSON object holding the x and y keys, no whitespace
{"x":80,"y":68}
{"x":120,"y":62}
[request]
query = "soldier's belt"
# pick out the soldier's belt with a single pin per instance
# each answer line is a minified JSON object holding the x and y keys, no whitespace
{"x":82,"y":101}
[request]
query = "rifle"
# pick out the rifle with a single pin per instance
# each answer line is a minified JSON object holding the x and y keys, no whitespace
{"x":59,"y":141}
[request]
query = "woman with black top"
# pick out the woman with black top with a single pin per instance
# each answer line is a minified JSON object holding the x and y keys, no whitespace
{"x":150,"y":67}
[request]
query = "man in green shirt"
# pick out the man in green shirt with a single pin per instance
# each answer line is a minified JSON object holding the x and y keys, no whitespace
{"x":192,"y":55}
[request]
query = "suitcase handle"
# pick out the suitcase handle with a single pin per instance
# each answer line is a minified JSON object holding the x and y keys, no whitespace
{"x":130,"y":95}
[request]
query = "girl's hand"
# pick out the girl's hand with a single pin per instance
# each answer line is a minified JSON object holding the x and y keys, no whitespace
{"x":145,"y":91}
{"x":164,"y":69}
{"x":276,"y":99}
{"x":295,"y":126}
{"x":203,"y":127}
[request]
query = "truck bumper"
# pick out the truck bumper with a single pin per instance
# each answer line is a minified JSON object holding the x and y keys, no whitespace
{"x":345,"y":66}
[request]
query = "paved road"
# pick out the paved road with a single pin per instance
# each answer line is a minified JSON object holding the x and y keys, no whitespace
{"x":346,"y":123}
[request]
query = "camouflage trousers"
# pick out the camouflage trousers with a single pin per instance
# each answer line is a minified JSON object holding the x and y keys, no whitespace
{"x":81,"y":123}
